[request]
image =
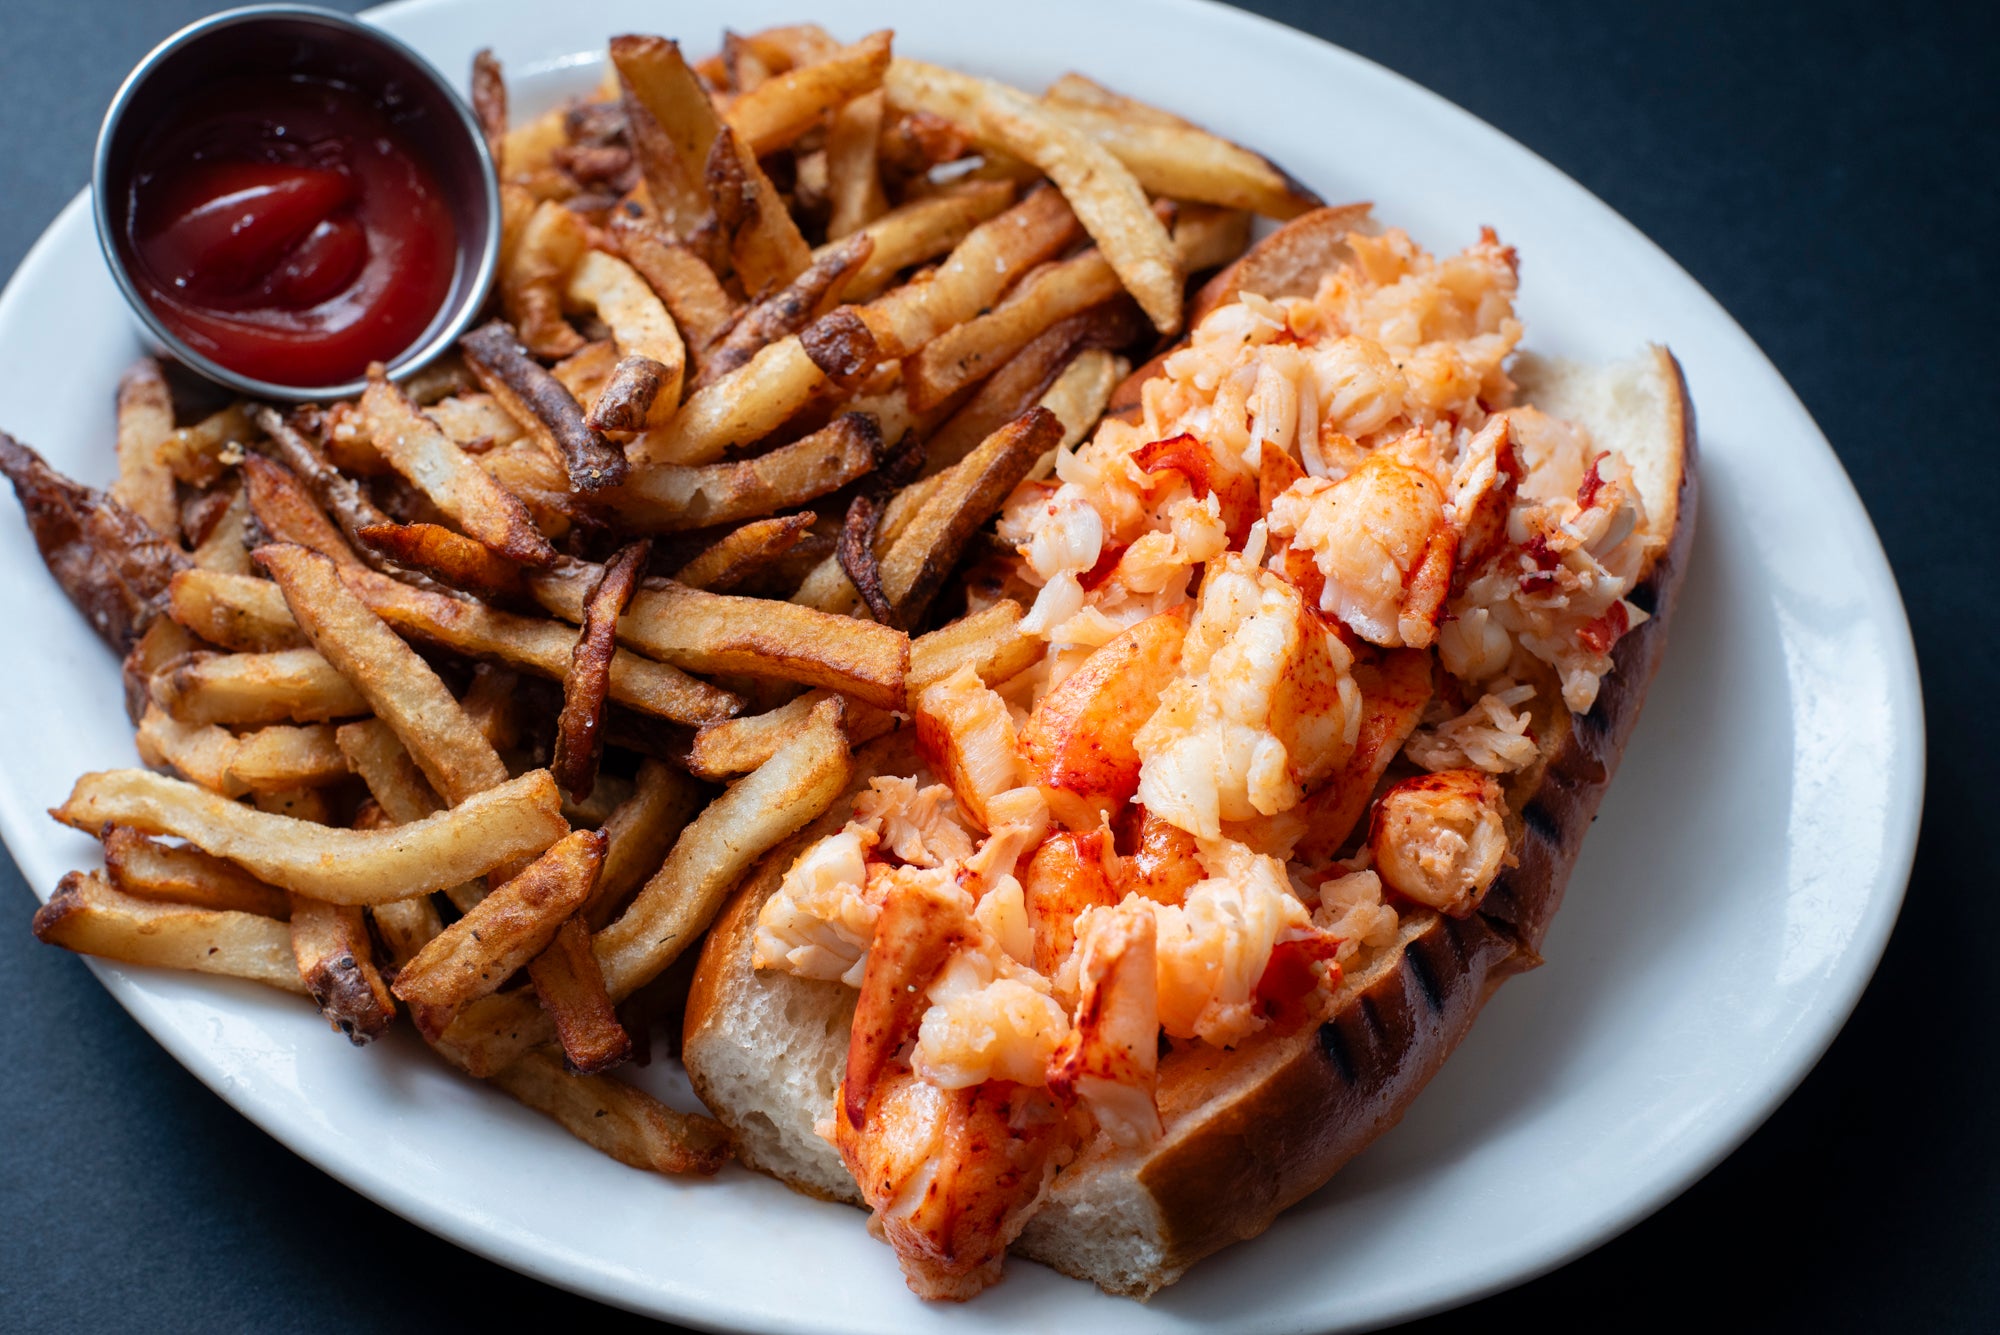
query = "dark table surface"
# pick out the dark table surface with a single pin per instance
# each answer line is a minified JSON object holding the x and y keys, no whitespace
{"x":1829,"y":173}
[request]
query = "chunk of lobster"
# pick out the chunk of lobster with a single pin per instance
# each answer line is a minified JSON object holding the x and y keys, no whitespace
{"x":1066,"y":878}
{"x":1207,"y":474}
{"x":1395,"y":689}
{"x":967,"y":736}
{"x":1441,"y":839}
{"x":1110,"y":1060}
{"x":924,"y":918}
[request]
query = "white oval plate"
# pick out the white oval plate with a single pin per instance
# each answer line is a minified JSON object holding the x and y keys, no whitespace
{"x":1728,"y":909}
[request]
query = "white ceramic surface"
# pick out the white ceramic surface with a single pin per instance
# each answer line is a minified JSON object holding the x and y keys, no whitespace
{"x":1729,"y":907}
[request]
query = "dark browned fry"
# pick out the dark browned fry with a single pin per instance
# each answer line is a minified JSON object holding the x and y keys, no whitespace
{"x":164,"y":642}
{"x":449,"y":557}
{"x":183,"y":874}
{"x":538,"y":399}
{"x":762,"y":240}
{"x":571,"y":989}
{"x":336,"y":960}
{"x":587,"y":687}
{"x":686,"y":284}
{"x":744,"y":552}
{"x":635,"y":385}
{"x":338,"y":496}
{"x":668,"y":498}
{"x":790,"y":309}
{"x":287,"y":512}
{"x":856,"y":552}
{"x":672,"y":125}
{"x":112,"y":565}
{"x":842,"y":347}
{"x":489,"y":101}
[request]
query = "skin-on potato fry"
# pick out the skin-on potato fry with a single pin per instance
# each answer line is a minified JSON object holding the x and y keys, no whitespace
{"x":336,"y":960}
{"x":587,"y":685}
{"x":451,"y":558}
{"x":736,"y":829}
{"x":853,"y":178}
{"x":145,"y":418}
{"x":415,"y":447}
{"x":201,"y":453}
{"x":789,"y":45}
{"x":285,"y":510}
{"x":1111,"y":205}
{"x":637,"y":385}
{"x":694,"y":296}
{"x":744,"y":406}
{"x":776,"y":112}
{"x":570,"y":987}
{"x":531,"y":281}
{"x":169,"y":874}
{"x":638,"y":835}
{"x":628,"y":1124}
{"x":919,"y":560}
{"x":475,"y":955}
{"x":788,"y":310}
{"x":974,"y":349}
{"x":403,"y":691}
{"x":340,"y":497}
{"x":291,"y":685}
{"x":1188,"y":163}
{"x":543,"y":405}
{"x":827,"y":588}
{"x":235,"y":611}
{"x":763,"y":241}
{"x":112,"y":564}
{"x":741,"y":745}
{"x":856,"y":553}
{"x":639,"y":323}
{"x":674,"y":125}
{"x":88,"y":916}
{"x":489,"y":102}
{"x":668,"y":498}
{"x":711,"y":632}
{"x":521,"y":817}
{"x":744,"y":552}
{"x":923,"y":229}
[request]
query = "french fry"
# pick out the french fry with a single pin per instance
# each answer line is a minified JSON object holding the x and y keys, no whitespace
{"x":570,"y":987}
{"x":286,"y":511}
{"x":789,"y":310}
{"x":235,"y":611}
{"x":669,"y":498}
{"x":451,"y":558}
{"x":742,"y":407}
{"x":701,"y":307}
{"x":789,"y":45}
{"x":170,"y":874}
{"x":530,"y":147}
{"x":475,"y":955}
{"x":199,"y":454}
{"x":339,"y":497}
{"x":919,"y":560}
{"x":291,"y":685}
{"x":853,"y":178}
{"x":1079,"y":394}
{"x":587,"y":684}
{"x":199,"y":752}
{"x":1111,"y":204}
{"x":145,"y":486}
{"x":543,"y":405}
{"x":308,"y":805}
{"x":538,"y":482}
{"x":415,"y":447}
{"x":279,"y":757}
{"x":744,"y":552}
{"x":972,"y":350}
{"x":674,"y":127}
{"x":521,"y":817}
{"x":1184,"y":162}
{"x":990,"y":642}
{"x":531,"y":280}
{"x":640,"y":323}
{"x":738,"y":746}
{"x":472,"y":418}
{"x":489,"y":103}
{"x":753,"y":816}
{"x":400,"y":686}
{"x":923,"y":229}
{"x":226,"y":545}
{"x":437,"y":380}
{"x":402,"y":794}
{"x":88,"y":916}
{"x":763,"y":241}
{"x":712,"y":632}
{"x":1208,"y":236}
{"x":405,"y":927}
{"x":776,"y":112}
{"x":628,"y":1124}
{"x":827,"y":588}
{"x":165,"y":641}
{"x":337,"y":961}
{"x":638,"y":835}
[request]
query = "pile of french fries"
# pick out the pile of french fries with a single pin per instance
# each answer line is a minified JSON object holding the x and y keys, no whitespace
{"x":483,"y":690}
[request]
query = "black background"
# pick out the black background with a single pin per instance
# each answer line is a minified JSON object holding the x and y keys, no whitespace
{"x":1829,"y":173}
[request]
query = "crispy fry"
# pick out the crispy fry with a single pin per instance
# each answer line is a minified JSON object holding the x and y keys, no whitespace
{"x":475,"y":955}
{"x":570,"y":987}
{"x":843,"y":347}
{"x":279,"y":757}
{"x":169,"y":874}
{"x":776,"y":112}
{"x":522,"y":816}
{"x":710,"y":632}
{"x":916,"y":565}
{"x":145,"y":418}
{"x":200,"y":752}
{"x":763,"y":241}
{"x":337,"y":962}
{"x":415,"y":447}
{"x":531,"y":281}
{"x":437,"y":380}
{"x":339,"y":497}
{"x":233,"y":610}
{"x":587,"y":685}
{"x":741,"y":745}
{"x":694,"y":296}
{"x":1189,"y":163}
{"x":226,"y":545}
{"x":1208,"y":237}
{"x":531,"y":477}
{"x":308,"y":805}
{"x":639,"y":322}
{"x":89,"y":917}
{"x":790,"y":45}
{"x":586,"y":373}
{"x":541,"y":403}
{"x":736,"y":829}
{"x":744,"y":552}
{"x":744,"y":406}
{"x":397,"y":785}
{"x":924,"y":229}
{"x":165,"y":641}
{"x":110,"y":562}
{"x":1079,"y":394}
{"x":1108,"y":201}
{"x":405,"y":927}
{"x":853,"y":179}
{"x":471,"y":418}
{"x":286,"y":511}
{"x":295,"y":685}
{"x":628,"y":1124}
{"x":451,"y":558}
{"x":636,"y":387}
{"x":668,"y":498}
{"x":827,"y":588}
{"x":974,"y":349}
{"x":789,"y":310}
{"x":530,"y":147}
{"x":639,"y":833}
{"x":200,"y":454}
{"x":989,"y":642}
{"x":489,"y":102}
{"x":673,"y":125}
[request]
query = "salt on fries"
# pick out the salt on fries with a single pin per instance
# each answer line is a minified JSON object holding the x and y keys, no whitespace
{"x":512,"y":669}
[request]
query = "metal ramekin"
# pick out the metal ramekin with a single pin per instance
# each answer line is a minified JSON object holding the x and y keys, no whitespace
{"x":303,"y":39}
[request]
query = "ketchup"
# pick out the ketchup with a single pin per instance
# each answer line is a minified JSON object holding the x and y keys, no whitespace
{"x":285,"y":228}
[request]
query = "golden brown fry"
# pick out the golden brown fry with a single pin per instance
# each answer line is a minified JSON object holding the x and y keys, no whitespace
{"x":165,"y":641}
{"x":475,"y":955}
{"x":415,"y":447}
{"x":400,"y":686}
{"x":337,"y":962}
{"x":522,"y":816}
{"x":674,"y":127}
{"x":88,"y":916}
{"x":234,"y":610}
{"x":827,"y":588}
{"x":542,"y":404}
{"x":789,"y":310}
{"x":639,"y":322}
{"x":711,"y":632}
{"x":200,"y":454}
{"x":471,"y":418}
{"x":638,"y":835}
{"x":531,"y":477}
{"x":489,"y":102}
{"x":736,"y":829}
{"x":744,"y":552}
{"x":308,"y":805}
{"x":165,"y":873}
{"x":1209,"y":237}
{"x":924,"y":229}
{"x":286,"y":511}
{"x":789,"y":45}
{"x":585,"y":373}
{"x":855,"y":550}
{"x":451,"y":558}
{"x":667,"y":498}
{"x":1111,"y":205}
{"x":145,"y":486}
{"x":628,"y":1124}
{"x":226,"y":545}
{"x":763,"y":241}
{"x":702,"y":308}
{"x":539,"y":646}
{"x":570,"y":987}
{"x":552,"y":242}
{"x":741,"y":745}
{"x":853,"y":178}
{"x":280,"y":757}
{"x":587,"y":684}
{"x":199,"y":752}
{"x":636,"y":387}
{"x":918,"y":561}
{"x":990,"y":642}
{"x":405,"y":927}
{"x":397,"y":785}
{"x":339,"y":497}
{"x":530,"y":147}
{"x":776,"y":112}
{"x":1184,"y":162}
{"x":437,"y":380}
{"x":296,"y":685}
{"x":973,"y":350}
{"x":743,"y":407}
